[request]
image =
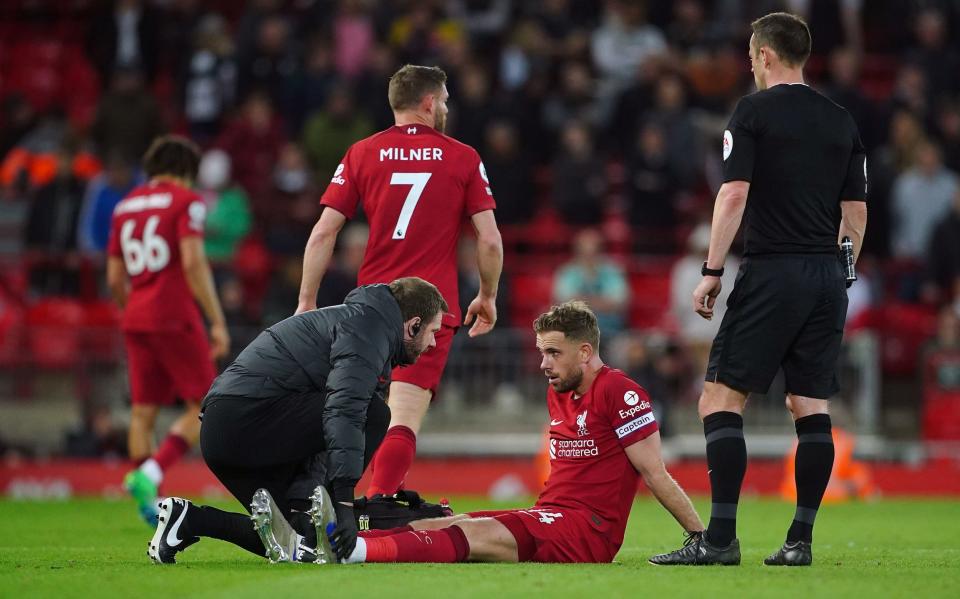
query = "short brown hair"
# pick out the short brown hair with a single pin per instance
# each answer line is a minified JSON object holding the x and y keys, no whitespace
{"x":418,"y":298}
{"x":787,"y":34}
{"x":411,"y":83}
{"x":574,"y":319}
{"x":174,"y":156}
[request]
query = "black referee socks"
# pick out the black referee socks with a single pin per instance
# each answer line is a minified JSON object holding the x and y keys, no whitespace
{"x":727,"y":463}
{"x":814,"y":462}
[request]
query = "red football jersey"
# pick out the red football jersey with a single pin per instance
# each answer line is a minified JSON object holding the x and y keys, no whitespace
{"x":589,"y":468}
{"x":146,"y":231}
{"x":418,"y":187}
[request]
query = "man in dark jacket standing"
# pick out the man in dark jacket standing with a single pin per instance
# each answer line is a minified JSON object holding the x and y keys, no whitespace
{"x":303,"y":405}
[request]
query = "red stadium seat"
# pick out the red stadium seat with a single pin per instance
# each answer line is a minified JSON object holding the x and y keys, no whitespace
{"x":649,"y":295}
{"x":903,"y":330}
{"x":11,"y":333}
{"x":54,"y":333}
{"x":33,"y":68}
{"x":102,"y":338}
{"x":530,"y":294}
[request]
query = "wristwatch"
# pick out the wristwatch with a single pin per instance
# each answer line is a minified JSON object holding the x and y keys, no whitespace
{"x":711,"y":272}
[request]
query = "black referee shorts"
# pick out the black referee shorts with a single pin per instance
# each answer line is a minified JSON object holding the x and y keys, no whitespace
{"x":276,"y":444}
{"x":785,"y":310}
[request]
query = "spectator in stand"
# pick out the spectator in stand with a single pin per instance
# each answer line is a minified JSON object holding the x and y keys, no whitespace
{"x":330,"y":132}
{"x":652,"y":185}
{"x":256,"y":12}
{"x":125,"y":35}
{"x":97,"y":437}
{"x":17,"y":118}
{"x":948,"y":132}
{"x":671,"y":114}
{"x":695,"y":332}
{"x":420,"y":35}
{"x":922,"y":196}
{"x":624,"y":42}
{"x":579,"y":180}
{"x":271,"y":62}
{"x":691,"y":32}
{"x":885,"y":164}
{"x":574,"y":101}
{"x":843,"y":87}
{"x":309,"y":89}
{"x":473,"y":108}
{"x":371,"y":87}
{"x":177,"y":33}
{"x":933,"y":54}
{"x":910,"y":92}
{"x":128,"y":117}
{"x":32,"y":162}
{"x":943,"y":258}
{"x":353,"y":37}
{"x":51,"y":230}
{"x":342,"y":278}
{"x":484,"y":21}
{"x":253,"y":140}
{"x":835,"y":23}
{"x":590,"y":276}
{"x":509,"y":171}
{"x":228,"y":211}
{"x":104,"y":192}
{"x":292,"y":210}
{"x":209,"y":79}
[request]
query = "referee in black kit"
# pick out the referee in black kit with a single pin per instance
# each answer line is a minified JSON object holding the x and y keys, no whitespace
{"x":793,"y":165}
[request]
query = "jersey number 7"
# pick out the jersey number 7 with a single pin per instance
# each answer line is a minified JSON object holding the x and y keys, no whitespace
{"x":417,"y":183}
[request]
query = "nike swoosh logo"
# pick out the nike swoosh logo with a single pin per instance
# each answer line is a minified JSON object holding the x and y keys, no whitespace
{"x":172,"y":539}
{"x":556,"y":422}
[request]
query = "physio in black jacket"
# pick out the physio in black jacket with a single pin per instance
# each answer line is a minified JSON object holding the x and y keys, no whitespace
{"x":303,"y":405}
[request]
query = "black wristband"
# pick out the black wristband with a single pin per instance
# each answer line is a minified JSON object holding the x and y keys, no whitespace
{"x":343,"y":491}
{"x":711,"y":272}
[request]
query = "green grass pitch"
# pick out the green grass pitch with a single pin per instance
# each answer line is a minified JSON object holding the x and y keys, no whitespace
{"x":93,"y":548}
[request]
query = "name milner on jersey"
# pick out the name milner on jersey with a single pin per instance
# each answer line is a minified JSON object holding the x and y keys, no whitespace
{"x":411,"y":154}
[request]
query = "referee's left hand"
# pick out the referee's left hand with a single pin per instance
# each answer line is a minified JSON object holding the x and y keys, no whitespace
{"x":705,"y":296}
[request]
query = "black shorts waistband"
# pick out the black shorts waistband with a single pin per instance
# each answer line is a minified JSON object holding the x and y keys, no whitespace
{"x":805,"y":256}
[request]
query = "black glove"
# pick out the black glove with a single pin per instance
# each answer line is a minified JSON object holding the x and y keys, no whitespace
{"x":344,"y":536}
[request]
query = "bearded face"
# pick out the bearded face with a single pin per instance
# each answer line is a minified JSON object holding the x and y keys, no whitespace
{"x":563,"y":384}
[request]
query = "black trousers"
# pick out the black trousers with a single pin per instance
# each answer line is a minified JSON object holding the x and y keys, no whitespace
{"x":276,"y":444}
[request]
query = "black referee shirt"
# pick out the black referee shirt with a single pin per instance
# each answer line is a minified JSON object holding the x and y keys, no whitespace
{"x":802,"y":155}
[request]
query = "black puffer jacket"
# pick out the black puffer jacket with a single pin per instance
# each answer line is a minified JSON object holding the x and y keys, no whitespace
{"x":345,"y":353}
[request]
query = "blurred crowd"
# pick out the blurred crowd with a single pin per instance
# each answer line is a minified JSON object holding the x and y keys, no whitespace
{"x":599,"y":122}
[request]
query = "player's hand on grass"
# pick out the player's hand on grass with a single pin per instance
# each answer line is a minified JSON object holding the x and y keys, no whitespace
{"x":343,"y":539}
{"x":705,"y":296}
{"x":219,"y":341}
{"x":483,"y":313}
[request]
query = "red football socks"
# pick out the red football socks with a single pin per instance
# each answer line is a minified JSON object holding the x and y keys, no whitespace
{"x":170,"y":451}
{"x":373,"y":534}
{"x":392,"y":461}
{"x":446,"y":545}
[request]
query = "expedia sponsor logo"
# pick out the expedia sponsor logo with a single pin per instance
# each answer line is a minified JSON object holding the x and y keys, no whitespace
{"x":643,"y":405}
{"x":635,"y":425}
{"x":336,"y":175}
{"x":573,"y":448}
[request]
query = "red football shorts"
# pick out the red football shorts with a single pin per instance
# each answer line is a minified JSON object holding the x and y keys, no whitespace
{"x":427,"y":370}
{"x":166,"y":365}
{"x":553,"y":535}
